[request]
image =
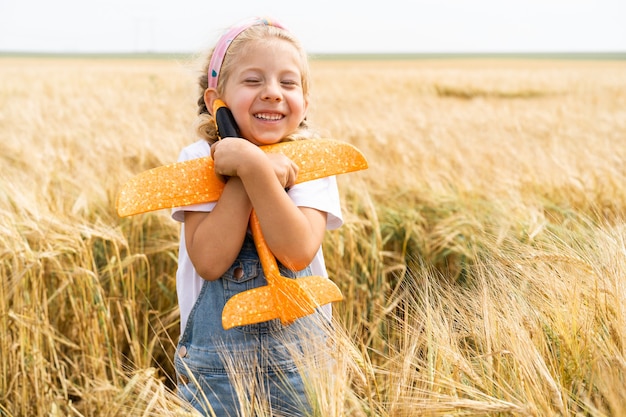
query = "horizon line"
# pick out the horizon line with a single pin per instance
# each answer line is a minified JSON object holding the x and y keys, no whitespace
{"x":334,"y":55}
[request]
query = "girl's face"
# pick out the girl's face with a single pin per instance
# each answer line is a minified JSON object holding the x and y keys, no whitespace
{"x":264,"y":91}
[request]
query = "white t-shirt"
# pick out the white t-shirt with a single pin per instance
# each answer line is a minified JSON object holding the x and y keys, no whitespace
{"x":321,"y":194}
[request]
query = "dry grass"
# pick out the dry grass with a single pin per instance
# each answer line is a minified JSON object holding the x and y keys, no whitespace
{"x":483,"y":257}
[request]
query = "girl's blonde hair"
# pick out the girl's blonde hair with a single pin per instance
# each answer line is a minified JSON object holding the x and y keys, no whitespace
{"x":206,"y":127}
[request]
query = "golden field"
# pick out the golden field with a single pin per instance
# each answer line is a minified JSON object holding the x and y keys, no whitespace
{"x":483,"y":255}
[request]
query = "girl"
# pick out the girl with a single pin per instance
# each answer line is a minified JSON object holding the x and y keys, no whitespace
{"x":261,"y":72}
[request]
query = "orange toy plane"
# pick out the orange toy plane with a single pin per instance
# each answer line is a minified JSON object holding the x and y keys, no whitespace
{"x":194,"y":181}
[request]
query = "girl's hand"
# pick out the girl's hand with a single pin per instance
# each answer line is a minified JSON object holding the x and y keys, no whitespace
{"x":285,"y":169}
{"x":231,"y":154}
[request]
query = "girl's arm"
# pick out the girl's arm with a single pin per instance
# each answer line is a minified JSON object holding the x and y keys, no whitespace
{"x":214,"y":239}
{"x":293,"y":234}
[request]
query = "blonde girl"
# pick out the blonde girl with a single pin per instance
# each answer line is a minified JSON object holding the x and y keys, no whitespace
{"x":261,"y":72}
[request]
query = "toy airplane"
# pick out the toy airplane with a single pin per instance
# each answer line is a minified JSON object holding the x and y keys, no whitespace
{"x":194,"y":181}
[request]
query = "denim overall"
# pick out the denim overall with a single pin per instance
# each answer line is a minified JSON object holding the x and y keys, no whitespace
{"x":236,"y":370}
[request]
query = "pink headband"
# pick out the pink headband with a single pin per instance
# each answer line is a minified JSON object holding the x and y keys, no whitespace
{"x":224,"y":42}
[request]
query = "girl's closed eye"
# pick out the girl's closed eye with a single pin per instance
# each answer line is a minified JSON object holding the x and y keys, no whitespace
{"x":252,"y":81}
{"x":290,"y":83}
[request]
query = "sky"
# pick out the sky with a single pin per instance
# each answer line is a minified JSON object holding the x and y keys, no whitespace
{"x":323,"y":26}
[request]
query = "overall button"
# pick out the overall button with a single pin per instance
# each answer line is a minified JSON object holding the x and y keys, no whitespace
{"x":182,"y":352}
{"x":238,"y":273}
{"x":182,"y":379}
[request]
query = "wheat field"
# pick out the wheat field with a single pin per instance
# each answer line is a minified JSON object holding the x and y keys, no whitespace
{"x":482,"y":259}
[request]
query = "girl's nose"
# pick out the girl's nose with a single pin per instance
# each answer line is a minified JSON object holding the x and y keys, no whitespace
{"x":271,"y":92}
